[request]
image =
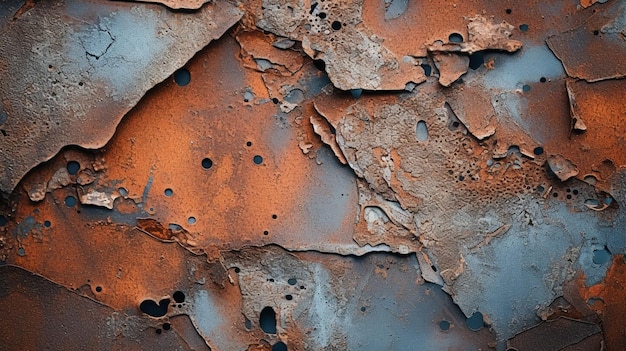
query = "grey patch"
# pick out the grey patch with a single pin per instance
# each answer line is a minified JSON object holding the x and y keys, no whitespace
{"x":395,"y":8}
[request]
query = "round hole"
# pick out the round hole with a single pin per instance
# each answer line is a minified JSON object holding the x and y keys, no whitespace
{"x":168,"y":192}
{"x":444,"y":325}
{"x":455,"y":38}
{"x":274,"y":216}
{"x":288,"y":297}
{"x":601,"y":256}
{"x":508,"y":11}
{"x":363,"y":308}
{"x":292,"y":281}
{"x":541,"y":189}
{"x":47,"y":224}
{"x":575,"y":192}
{"x":555,"y":195}
{"x":538,"y":150}
{"x":237,"y":270}
{"x":191,"y":220}
{"x":456,"y":124}
{"x":475,"y":322}
{"x":72,"y":167}
{"x":596,"y":32}
{"x":207,"y":163}
{"x":249,"y":143}
{"x":275,"y":100}
{"x":279,"y":346}
{"x":179,"y":296}
{"x":526,"y":88}
{"x":98,"y":289}
{"x":336,"y":25}
{"x":322,"y":15}
{"x":267,"y":320}
{"x":543,"y":79}
{"x":182,"y":77}
{"x":265,"y":232}
{"x":569,"y":197}
{"x":159,"y":331}
{"x":70,"y":201}
{"x":167,"y":326}
{"x":523,"y":27}
{"x":257,"y":159}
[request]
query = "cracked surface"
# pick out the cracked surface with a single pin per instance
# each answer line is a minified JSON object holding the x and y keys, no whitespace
{"x":337,"y":175}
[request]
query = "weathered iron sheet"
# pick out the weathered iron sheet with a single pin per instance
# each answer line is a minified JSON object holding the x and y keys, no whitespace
{"x":264,"y":197}
{"x":71,"y":70}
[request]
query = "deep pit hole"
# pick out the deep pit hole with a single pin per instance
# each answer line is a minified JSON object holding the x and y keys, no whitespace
{"x":168,"y":192}
{"x":292,"y":281}
{"x":475,"y":322}
{"x":543,"y":79}
{"x":288,"y":297}
{"x":601,"y":256}
{"x":257,"y":159}
{"x":72,"y":167}
{"x":158,"y":331}
{"x":320,"y":65}
{"x":444,"y":325}
{"x":523,"y":27}
{"x":265,"y":232}
{"x":279,"y":346}
{"x":421,"y":131}
{"x":476,"y":60}
{"x":249,"y":143}
{"x":428,"y":70}
{"x":538,"y":151}
{"x":267,"y":320}
{"x":596,"y":32}
{"x":182,"y":77}
{"x":70,"y":201}
{"x":167,"y":326}
{"x":179,"y":296}
{"x":455,"y":38}
{"x":336,"y":25}
{"x":322,"y":15}
{"x":207,"y":163}
{"x":508,"y":11}
{"x":47,"y":224}
{"x":274,"y":216}
{"x":151,"y":308}
{"x":363,"y":308}
{"x":98,"y":289}
{"x":275,"y":101}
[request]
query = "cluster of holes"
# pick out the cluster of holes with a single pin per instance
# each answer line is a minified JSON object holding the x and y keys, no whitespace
{"x":151,"y":308}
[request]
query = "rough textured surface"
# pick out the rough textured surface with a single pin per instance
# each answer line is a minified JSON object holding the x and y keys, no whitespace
{"x":71,"y":81}
{"x":264,"y":197}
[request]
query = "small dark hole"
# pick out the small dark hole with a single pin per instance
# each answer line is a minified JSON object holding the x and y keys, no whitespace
{"x":526,"y":88}
{"x":575,"y":192}
{"x":322,"y":15}
{"x":569,"y":197}
{"x":363,"y":308}
{"x":257,"y":159}
{"x":179,"y":296}
{"x":274,"y":216}
{"x":249,"y":143}
{"x":288,"y":297}
{"x":444,"y":325}
{"x":168,"y":192}
{"x":543,"y":79}
{"x":182,"y":77}
{"x":455,"y":38}
{"x":336,"y":25}
{"x":433,"y":268}
{"x":72,"y":167}
{"x":427,"y":69}
{"x":47,"y":224}
{"x":70,"y":201}
{"x":475,"y":322}
{"x":159,"y":331}
{"x":98,"y":289}
{"x":302,"y":287}
{"x":477,"y":60}
{"x":275,"y":100}
{"x":523,"y":27}
{"x":461,"y":178}
{"x":267,"y":320}
{"x":151,"y":308}
{"x":508,"y":11}
{"x":207,"y":163}
{"x":455,"y":124}
{"x":265,"y":232}
{"x":555,"y":195}
{"x":279,"y":346}
{"x":538,"y":151}
{"x":167,"y":326}
{"x":292,"y":281}
{"x":596,"y":32}
{"x":237,"y":270}
{"x":320,"y":64}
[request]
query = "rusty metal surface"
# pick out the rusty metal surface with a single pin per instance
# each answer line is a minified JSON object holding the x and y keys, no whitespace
{"x":337,"y":175}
